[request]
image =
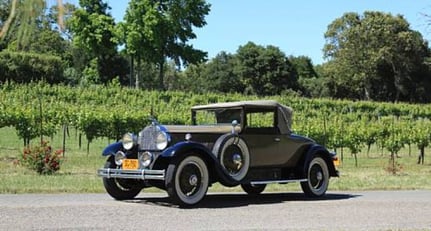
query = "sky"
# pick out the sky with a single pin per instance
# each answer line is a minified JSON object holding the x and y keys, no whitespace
{"x":296,"y":27}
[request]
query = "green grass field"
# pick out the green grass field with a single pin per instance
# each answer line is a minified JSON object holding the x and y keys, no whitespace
{"x":78,"y":171}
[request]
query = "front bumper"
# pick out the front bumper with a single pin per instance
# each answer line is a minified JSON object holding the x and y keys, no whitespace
{"x":140,"y":174}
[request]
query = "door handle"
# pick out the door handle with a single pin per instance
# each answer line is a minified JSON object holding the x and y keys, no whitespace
{"x":277,"y":139}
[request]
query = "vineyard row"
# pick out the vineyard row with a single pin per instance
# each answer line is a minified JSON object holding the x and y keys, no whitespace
{"x":101,"y":111}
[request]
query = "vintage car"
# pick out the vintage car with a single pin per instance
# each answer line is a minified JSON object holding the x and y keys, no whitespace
{"x":248,"y":143}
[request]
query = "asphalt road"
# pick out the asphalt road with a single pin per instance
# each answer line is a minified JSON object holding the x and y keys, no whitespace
{"x":374,"y":210}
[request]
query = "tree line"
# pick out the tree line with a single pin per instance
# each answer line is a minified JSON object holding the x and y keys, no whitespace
{"x":368,"y":56}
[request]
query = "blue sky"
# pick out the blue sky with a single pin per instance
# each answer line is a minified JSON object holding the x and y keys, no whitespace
{"x":296,"y":27}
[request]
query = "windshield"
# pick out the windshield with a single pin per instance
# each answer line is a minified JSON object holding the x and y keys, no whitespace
{"x":220,"y":116}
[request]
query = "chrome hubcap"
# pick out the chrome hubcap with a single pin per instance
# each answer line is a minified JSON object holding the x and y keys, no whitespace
{"x":237,"y":160}
{"x":193,"y":180}
{"x":319,"y":176}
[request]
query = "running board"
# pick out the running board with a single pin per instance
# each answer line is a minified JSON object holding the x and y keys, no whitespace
{"x":278,"y":181}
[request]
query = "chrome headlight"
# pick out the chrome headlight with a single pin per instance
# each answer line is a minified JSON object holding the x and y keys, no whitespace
{"x":162,"y":140}
{"x":119,"y":157}
{"x":146,"y":158}
{"x":129,"y":140}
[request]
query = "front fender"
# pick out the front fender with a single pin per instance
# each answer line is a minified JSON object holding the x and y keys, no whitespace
{"x":183,"y":147}
{"x":112,"y":149}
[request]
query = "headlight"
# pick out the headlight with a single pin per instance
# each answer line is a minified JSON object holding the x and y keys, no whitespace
{"x":119,"y":157}
{"x":162,"y":140}
{"x":146,"y":158}
{"x":129,"y":140}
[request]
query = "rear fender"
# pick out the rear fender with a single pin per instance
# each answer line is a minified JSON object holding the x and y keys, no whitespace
{"x":318,"y":150}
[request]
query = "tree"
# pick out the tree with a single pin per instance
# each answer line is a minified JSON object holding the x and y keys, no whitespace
{"x":63,"y":25}
{"x":48,"y":42}
{"x":220,"y":76}
{"x":216,"y":75}
{"x":28,"y":13}
{"x":373,"y":56}
{"x":155,"y":30}
{"x":192,"y":79}
{"x":308,"y":80}
{"x":93,"y":29}
{"x":265,"y":70}
{"x":5,"y":6}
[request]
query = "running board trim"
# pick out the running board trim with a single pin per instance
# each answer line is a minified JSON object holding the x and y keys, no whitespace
{"x":278,"y":181}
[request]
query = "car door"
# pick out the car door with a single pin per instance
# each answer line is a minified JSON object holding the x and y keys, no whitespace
{"x":263,"y":138}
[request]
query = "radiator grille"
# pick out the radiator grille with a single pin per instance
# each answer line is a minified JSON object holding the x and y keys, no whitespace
{"x":147,"y":138}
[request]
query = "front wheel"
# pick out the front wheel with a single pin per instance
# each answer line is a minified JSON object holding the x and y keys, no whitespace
{"x":317,"y":178}
{"x":120,"y":189}
{"x":187,"y":180}
{"x":253,"y":189}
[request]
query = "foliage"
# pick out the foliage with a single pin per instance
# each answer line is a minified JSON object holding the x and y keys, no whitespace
{"x":421,"y":137}
{"x":90,"y":75}
{"x":93,"y":29}
{"x":49,"y":42}
{"x":101,"y":111}
{"x":155,"y":30}
{"x":216,"y":75}
{"x":41,"y":159}
{"x":265,"y":70}
{"x":27,"y":67}
{"x":374,"y":56}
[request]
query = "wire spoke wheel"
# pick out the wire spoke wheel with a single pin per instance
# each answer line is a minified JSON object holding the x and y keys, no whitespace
{"x":317,"y":178}
{"x":187,"y":180}
{"x":120,"y":189}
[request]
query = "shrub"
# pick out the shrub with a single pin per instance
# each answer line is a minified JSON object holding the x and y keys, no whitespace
{"x":41,"y":158}
{"x":25,"y":67}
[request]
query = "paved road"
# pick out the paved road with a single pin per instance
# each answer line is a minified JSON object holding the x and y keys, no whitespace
{"x":376,"y":210}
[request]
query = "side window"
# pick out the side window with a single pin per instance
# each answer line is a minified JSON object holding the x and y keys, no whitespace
{"x":261,"y":122}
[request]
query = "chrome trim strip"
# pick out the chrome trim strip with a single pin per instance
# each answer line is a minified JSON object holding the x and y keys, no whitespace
{"x":278,"y":181}
{"x":140,"y":174}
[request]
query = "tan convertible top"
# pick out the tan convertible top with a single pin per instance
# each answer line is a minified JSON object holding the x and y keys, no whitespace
{"x":285,"y":111}
{"x":253,"y":103}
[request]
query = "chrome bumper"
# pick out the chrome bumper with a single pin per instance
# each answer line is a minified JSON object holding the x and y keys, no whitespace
{"x":141,"y":174}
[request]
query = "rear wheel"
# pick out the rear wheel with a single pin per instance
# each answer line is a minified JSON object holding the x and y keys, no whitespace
{"x":187,"y":180}
{"x":317,"y":178}
{"x":253,"y":189}
{"x":120,"y":189}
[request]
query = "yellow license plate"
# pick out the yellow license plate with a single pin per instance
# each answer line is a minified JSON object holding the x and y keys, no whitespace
{"x":336,"y":162}
{"x":130,"y":164}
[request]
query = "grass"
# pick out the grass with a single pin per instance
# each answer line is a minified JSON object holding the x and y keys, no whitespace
{"x":78,"y":171}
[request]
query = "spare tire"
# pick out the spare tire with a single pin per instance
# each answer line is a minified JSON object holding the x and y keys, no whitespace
{"x":233,"y":155}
